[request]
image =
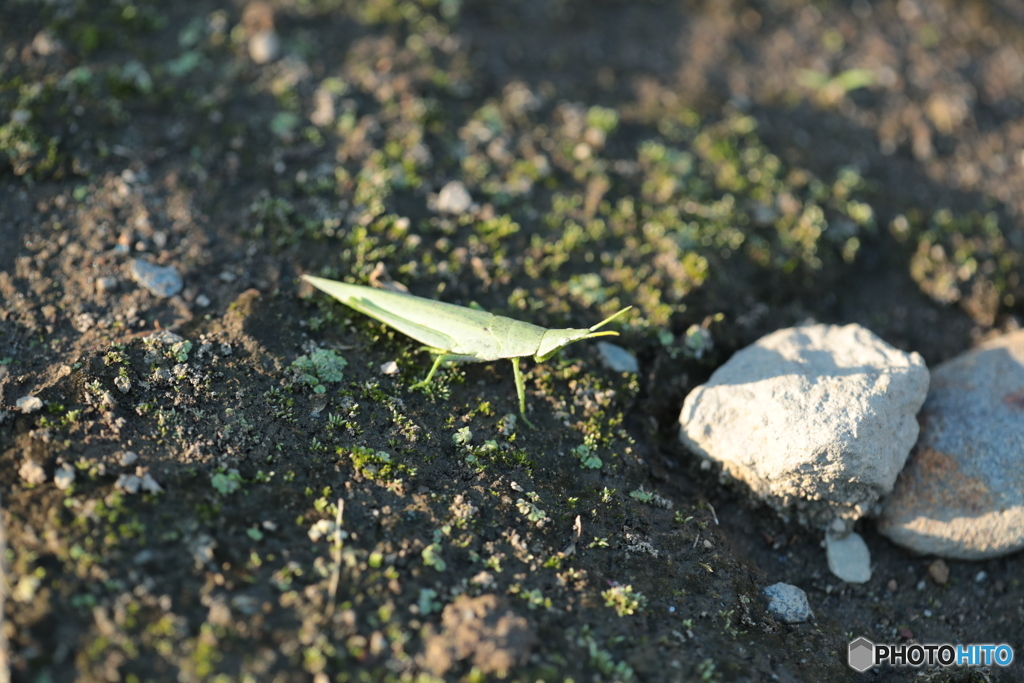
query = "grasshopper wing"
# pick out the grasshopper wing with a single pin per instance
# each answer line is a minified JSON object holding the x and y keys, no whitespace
{"x":391,"y":308}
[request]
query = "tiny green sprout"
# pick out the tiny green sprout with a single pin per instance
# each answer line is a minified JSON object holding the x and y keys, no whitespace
{"x":456,"y":334}
{"x":624,"y":600}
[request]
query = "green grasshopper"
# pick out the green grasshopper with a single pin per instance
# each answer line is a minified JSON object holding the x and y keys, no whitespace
{"x":458,"y":334}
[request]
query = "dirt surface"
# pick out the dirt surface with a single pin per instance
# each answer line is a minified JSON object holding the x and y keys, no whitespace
{"x":230,"y":480}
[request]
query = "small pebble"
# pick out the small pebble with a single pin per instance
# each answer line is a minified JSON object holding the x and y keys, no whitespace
{"x":454,"y":198}
{"x":123,"y":384}
{"x":980,"y":577}
{"x":618,"y":358}
{"x":164,"y":281}
{"x":389,"y":368}
{"x":29,"y":404}
{"x":788,"y":603}
{"x":64,"y":477}
{"x":202,"y":301}
{"x":264,"y":46}
{"x":32,"y":472}
{"x":939,"y":571}
{"x":106,"y":284}
{"x":129,"y":483}
{"x":128,"y":458}
{"x":848,"y":557}
{"x":892,"y":585}
{"x":149,"y":484}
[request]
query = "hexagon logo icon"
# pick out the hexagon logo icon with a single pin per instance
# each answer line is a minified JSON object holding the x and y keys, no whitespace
{"x":861,"y":654}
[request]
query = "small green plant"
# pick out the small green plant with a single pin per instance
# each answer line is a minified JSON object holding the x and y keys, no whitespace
{"x":319,"y":367}
{"x":227,"y":482}
{"x":624,"y":600}
{"x":587,"y":457}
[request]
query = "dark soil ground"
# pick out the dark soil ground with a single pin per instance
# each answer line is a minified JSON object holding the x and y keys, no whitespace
{"x":733,"y":167}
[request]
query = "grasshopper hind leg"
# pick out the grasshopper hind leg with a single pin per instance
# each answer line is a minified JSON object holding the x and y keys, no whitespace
{"x":521,"y":390}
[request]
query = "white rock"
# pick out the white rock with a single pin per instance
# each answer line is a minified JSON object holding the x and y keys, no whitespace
{"x":618,"y":358}
{"x":816,"y":417}
{"x":64,"y":477}
{"x":29,"y":404}
{"x":454,"y":198}
{"x":961,"y":494}
{"x":128,"y":458}
{"x":788,"y":603}
{"x":32,"y":472}
{"x":389,"y":368}
{"x":848,"y":557}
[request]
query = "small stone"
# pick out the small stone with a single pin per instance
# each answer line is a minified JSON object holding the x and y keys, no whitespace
{"x":45,"y":44}
{"x":148,"y":484}
{"x":389,"y":368}
{"x":454,"y":198}
{"x":618,"y":358}
{"x":128,"y":458}
{"x":163,"y":281}
{"x":961,"y":494}
{"x":848,"y":557}
{"x":123,"y":384}
{"x":264,"y":46}
{"x":816,"y":418}
{"x":129,"y":483}
{"x":323,"y":108}
{"x":939,"y":571}
{"x":788,"y":603}
{"x":29,"y":404}
{"x":105,"y":285}
{"x":64,"y":477}
{"x":202,"y":301}
{"x":32,"y":473}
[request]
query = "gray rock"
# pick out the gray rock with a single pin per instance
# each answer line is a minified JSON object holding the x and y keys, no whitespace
{"x":129,"y":483}
{"x":454,"y":198}
{"x":618,"y":358}
{"x":848,"y":557}
{"x":788,"y":603}
{"x":961,"y":494}
{"x":819,"y":418}
{"x":164,"y":281}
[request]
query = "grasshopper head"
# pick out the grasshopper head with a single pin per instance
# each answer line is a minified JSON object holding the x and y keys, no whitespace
{"x":555,"y":340}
